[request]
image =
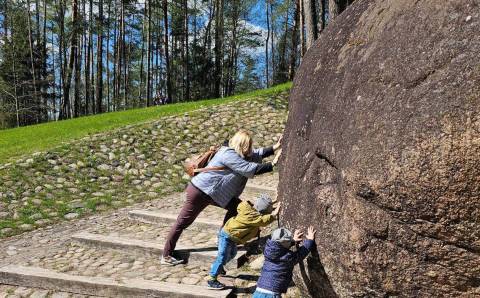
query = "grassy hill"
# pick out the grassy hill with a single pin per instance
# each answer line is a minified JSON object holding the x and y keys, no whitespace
{"x":97,"y":163}
{"x":25,"y":140}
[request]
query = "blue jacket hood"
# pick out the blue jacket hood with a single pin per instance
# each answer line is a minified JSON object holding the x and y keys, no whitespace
{"x":275,"y":251}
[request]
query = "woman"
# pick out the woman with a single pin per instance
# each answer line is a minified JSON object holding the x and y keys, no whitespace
{"x":220,"y":188}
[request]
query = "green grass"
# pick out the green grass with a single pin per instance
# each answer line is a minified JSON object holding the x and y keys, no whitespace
{"x":20,"y":141}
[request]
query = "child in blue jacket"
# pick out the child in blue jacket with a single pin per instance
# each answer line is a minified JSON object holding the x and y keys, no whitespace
{"x":279,"y":261}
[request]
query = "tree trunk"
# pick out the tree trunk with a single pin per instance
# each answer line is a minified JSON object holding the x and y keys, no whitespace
{"x":108,"y":55}
{"x":336,"y":7}
{"x":118,"y":58}
{"x":302,"y":29}
{"x":124,"y":59}
{"x":229,"y":82}
{"x":218,"y":46}
{"x":36,"y":102}
{"x":195,"y":45}
{"x":78,"y":64}
{"x":333,"y":10}
{"x":186,"y":70}
{"x":99,"y":85}
{"x":293,"y":52}
{"x":235,"y":71}
{"x":282,"y":65}
{"x":54,"y":93}
{"x":142,"y":56}
{"x":149,"y":53}
{"x":87,"y":62}
{"x":84,"y":39}
{"x":272,"y":42}
{"x":267,"y":74}
{"x":115,"y":58}
{"x":14,"y":71}
{"x":66,"y":111}
{"x":17,"y":108}
{"x":128,"y":65}
{"x":123,"y":65}
{"x":167,"y":58}
{"x":207,"y":52}
{"x":61,"y":57}
{"x":76,"y":80}
{"x":158,"y":55}
{"x":310,"y":21}
{"x":40,"y":73}
{"x":37,"y":19}
{"x":319,"y":5}
{"x":6,"y":21}
{"x":44,"y":57}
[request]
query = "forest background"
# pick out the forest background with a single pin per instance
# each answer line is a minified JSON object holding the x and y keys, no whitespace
{"x":62,"y":59}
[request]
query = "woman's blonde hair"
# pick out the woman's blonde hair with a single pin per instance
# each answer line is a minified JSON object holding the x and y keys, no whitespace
{"x":242,"y":143}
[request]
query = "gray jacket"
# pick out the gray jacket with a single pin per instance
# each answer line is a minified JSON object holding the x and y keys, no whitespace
{"x":226,"y":184}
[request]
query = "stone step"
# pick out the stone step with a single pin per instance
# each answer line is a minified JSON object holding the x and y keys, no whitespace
{"x":259,"y":188}
{"x":150,"y":216}
{"x":80,"y":259}
{"x":211,"y":217}
{"x":100,"y":286}
{"x":194,"y":236}
{"x":173,"y":205}
{"x":205,"y":254}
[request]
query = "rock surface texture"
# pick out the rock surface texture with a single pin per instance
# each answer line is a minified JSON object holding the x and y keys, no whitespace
{"x":383,"y":153}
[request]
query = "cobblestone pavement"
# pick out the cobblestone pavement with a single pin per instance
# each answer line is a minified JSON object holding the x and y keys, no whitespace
{"x":31,"y":243}
{"x":78,"y":259}
{"x":51,"y":248}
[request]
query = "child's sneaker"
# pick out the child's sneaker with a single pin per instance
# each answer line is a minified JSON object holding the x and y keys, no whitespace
{"x":214,"y":284}
{"x":170,"y":261}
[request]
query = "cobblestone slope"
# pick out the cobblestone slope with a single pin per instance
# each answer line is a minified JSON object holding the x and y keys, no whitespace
{"x":124,"y":166}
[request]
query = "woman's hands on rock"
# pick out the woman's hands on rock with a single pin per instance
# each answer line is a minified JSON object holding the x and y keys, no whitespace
{"x":278,"y":144}
{"x":277,"y":210}
{"x":277,"y":157}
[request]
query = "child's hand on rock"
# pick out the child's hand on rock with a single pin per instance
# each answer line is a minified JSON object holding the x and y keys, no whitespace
{"x":297,"y":235}
{"x":311,"y":233}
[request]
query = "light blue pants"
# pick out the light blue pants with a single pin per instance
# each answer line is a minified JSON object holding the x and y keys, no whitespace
{"x":258,"y":294}
{"x":227,"y":250}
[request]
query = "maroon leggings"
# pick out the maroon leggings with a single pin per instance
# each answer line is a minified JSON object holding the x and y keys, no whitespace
{"x":194,"y":204}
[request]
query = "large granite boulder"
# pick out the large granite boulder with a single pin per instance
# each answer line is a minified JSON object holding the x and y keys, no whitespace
{"x":382,"y":152}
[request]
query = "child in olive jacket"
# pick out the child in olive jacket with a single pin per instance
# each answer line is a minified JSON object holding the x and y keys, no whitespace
{"x":240,"y":229}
